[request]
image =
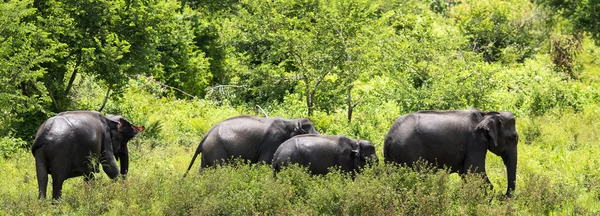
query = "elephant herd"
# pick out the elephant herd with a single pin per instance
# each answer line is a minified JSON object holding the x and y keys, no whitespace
{"x":67,"y":144}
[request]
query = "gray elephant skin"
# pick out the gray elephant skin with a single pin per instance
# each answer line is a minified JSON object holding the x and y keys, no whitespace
{"x":248,"y":137}
{"x":321,"y":152}
{"x":66,"y":144}
{"x":457,"y":139}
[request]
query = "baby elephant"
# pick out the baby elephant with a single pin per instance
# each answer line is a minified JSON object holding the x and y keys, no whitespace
{"x":319,"y":152}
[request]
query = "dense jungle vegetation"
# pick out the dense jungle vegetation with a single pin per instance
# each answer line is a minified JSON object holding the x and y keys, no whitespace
{"x":179,"y":67}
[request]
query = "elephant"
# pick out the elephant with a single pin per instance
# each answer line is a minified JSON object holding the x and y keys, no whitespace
{"x":248,"y":137}
{"x":66,"y":145}
{"x":320,"y":152}
{"x":456,"y":139}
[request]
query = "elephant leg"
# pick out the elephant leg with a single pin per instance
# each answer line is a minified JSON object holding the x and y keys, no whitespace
{"x":57,"y":183}
{"x":213,"y":157}
{"x":478,"y":169}
{"x":477,"y":165}
{"x":266,"y":157}
{"x":109,"y":165}
{"x":208,"y":161}
{"x":203,"y":164}
{"x":42,"y":177}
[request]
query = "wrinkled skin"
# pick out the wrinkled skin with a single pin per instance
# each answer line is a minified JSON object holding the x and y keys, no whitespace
{"x":456,"y":139}
{"x":66,"y":144}
{"x":248,"y":137}
{"x":321,"y":152}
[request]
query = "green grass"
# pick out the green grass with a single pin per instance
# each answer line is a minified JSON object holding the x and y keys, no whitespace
{"x":557,"y":169}
{"x":557,"y":174}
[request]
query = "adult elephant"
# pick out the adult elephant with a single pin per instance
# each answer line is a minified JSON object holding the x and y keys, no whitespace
{"x":457,"y":139}
{"x":248,"y":137}
{"x":66,"y":144}
{"x":321,"y":152}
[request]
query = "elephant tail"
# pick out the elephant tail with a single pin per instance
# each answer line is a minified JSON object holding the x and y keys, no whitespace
{"x":198,"y":150}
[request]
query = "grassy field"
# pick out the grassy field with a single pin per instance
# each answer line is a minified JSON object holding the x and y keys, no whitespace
{"x":180,"y":67}
{"x":557,"y":173}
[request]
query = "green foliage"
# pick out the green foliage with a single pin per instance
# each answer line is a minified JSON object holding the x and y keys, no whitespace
{"x":109,"y":41}
{"x":112,"y":40}
{"x":556,"y":172}
{"x":582,"y":15}
{"x":171,"y":121}
{"x":534,"y":88}
{"x":9,"y":146}
{"x":368,"y":61}
{"x":565,"y":48}
{"x":507,"y":31}
{"x":24,"y":48}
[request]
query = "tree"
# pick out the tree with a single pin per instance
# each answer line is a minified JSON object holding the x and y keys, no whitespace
{"x":503,"y":31}
{"x":311,"y":43}
{"x":24,"y":48}
{"x":349,"y":21}
{"x":573,"y":19}
{"x":113,"y":40}
{"x":582,"y":14}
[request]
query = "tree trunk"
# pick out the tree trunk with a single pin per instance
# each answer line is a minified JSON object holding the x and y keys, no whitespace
{"x":309,"y":102}
{"x":72,"y":79}
{"x":349,"y":103}
{"x":349,"y":90}
{"x":105,"y":99}
{"x":54,"y":101}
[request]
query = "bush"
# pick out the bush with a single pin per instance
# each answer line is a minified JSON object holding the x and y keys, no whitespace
{"x":9,"y":146}
{"x":508,"y":31}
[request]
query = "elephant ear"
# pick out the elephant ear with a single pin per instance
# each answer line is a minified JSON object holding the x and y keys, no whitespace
{"x":356,"y":151}
{"x":125,"y":130}
{"x":366,"y":148}
{"x":299,"y":129}
{"x":489,"y":127}
{"x":113,"y":127}
{"x":112,"y":124}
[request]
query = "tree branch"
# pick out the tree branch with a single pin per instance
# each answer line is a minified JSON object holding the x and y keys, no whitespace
{"x":105,"y":99}
{"x":167,"y":86}
{"x":321,"y":78}
{"x":223,"y":86}
{"x":261,"y":109}
{"x":357,"y":103}
{"x":54,"y":101}
{"x":72,"y":79}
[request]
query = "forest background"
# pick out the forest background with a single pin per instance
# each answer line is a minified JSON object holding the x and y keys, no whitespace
{"x":351,"y":66}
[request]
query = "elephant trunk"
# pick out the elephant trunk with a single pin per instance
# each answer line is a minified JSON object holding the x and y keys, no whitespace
{"x":510,"y":161}
{"x":124,"y":159}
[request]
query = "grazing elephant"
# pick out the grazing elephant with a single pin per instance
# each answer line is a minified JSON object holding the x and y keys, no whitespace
{"x":456,"y":139}
{"x":66,"y":144}
{"x":251,"y":138}
{"x":320,"y":152}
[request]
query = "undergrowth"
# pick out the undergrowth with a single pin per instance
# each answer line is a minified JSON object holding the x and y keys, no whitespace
{"x":557,"y":174}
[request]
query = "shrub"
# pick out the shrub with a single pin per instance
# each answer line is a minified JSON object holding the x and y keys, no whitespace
{"x":510,"y":30}
{"x":9,"y":146}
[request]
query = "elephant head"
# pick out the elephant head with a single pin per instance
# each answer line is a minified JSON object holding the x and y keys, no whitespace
{"x":363,"y":153}
{"x":303,"y":126}
{"x":121,"y":131}
{"x":499,"y":131}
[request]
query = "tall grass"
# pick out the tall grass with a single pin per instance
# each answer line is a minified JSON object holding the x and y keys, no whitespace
{"x":557,"y":171}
